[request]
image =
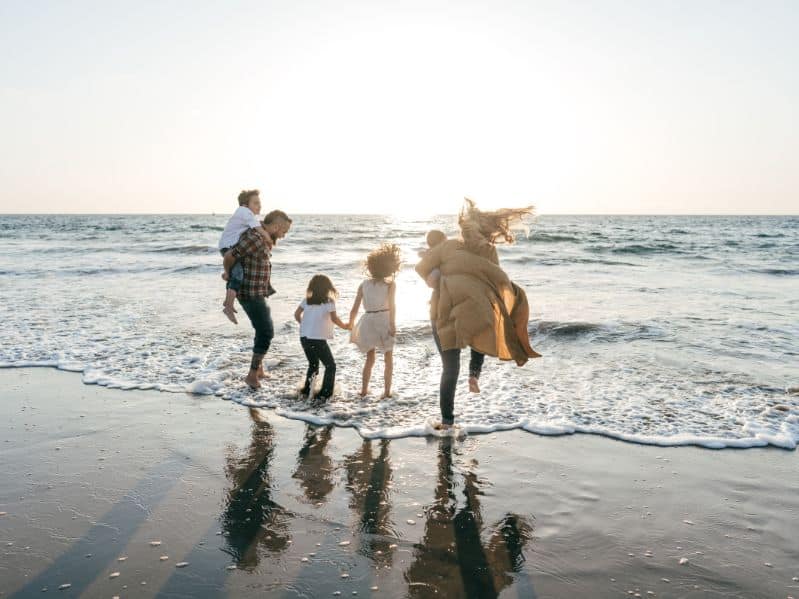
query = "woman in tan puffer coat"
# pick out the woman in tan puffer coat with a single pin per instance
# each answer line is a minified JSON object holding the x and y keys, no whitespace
{"x":474,"y":303}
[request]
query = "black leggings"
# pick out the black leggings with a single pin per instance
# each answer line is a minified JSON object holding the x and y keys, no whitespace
{"x":451,"y":367}
{"x":317,"y":350}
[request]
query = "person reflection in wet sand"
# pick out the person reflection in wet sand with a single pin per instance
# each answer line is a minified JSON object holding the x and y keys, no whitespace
{"x":369,"y":482}
{"x":314,"y":466}
{"x":251,"y":519}
{"x":452,"y":560}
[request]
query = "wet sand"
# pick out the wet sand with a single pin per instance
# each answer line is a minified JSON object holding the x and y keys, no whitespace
{"x":95,"y":482}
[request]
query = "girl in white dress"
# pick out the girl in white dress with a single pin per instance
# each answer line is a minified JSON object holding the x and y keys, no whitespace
{"x":376,"y":329}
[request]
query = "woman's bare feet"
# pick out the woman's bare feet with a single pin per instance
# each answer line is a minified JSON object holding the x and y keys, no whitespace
{"x":474,"y":385}
{"x":442,"y":426}
{"x":364,"y":393}
{"x":262,"y":373}
{"x":386,"y":395}
{"x":252,"y":380}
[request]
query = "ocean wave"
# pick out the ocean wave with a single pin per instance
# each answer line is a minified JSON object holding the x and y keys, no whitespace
{"x":611,"y":332}
{"x":183,"y":249}
{"x":655,"y":248}
{"x":777,"y":271}
{"x":539,"y":237}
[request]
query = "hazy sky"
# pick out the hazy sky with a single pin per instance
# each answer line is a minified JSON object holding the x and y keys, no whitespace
{"x":391,"y":106}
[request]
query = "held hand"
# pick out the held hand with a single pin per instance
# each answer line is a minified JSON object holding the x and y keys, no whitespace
{"x":225,"y":276}
{"x":392,"y":331}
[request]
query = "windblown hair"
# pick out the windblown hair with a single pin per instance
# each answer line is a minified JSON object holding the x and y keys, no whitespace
{"x":276,"y":215}
{"x":495,"y":226}
{"x":320,"y":290}
{"x":384,"y":262}
{"x":245,"y":195}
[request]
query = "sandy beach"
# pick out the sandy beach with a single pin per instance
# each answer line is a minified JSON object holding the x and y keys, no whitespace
{"x":145,"y":494}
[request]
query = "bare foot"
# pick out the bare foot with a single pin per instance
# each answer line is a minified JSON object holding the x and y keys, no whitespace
{"x":441,"y":426}
{"x":262,"y":373}
{"x":230,"y":312}
{"x":364,"y":392}
{"x":474,"y":385}
{"x":386,"y":395}
{"x":252,"y":381}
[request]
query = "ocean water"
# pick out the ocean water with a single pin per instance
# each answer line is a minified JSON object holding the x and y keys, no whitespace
{"x":667,"y":330}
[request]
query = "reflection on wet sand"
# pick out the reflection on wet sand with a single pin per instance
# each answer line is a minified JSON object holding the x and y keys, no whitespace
{"x":314,"y":466}
{"x":369,"y":482}
{"x":251,"y":518}
{"x":452,"y":559}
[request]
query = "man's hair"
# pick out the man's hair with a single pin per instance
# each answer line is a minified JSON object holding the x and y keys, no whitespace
{"x":276,"y":215}
{"x":245,"y":195}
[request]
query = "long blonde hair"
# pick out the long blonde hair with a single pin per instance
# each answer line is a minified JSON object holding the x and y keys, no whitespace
{"x":494,"y":226}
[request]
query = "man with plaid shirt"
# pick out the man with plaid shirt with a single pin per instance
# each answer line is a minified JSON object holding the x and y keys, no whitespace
{"x":253,"y":252}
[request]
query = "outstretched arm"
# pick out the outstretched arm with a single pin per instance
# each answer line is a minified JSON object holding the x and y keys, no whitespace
{"x":392,"y":311}
{"x":356,"y":304}
{"x":266,"y":237}
{"x":337,"y":321}
{"x":228,"y":260}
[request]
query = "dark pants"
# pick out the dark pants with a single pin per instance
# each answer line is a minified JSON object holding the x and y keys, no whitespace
{"x":317,"y":350}
{"x":451,"y":367}
{"x":236,"y":274}
{"x":261,"y":318}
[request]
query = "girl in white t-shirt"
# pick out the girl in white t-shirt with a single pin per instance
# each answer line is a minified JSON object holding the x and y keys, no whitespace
{"x":317,"y":315}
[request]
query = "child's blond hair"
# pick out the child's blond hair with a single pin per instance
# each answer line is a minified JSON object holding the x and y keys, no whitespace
{"x":384,"y":262}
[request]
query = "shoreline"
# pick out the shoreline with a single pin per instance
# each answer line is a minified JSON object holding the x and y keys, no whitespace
{"x":426,"y":430}
{"x":259,"y":503}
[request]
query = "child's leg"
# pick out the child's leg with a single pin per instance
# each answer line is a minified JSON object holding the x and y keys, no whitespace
{"x":388,"y":371}
{"x":367,"y":372}
{"x":227,"y":308}
{"x":329,"y":382}
{"x":313,"y":364}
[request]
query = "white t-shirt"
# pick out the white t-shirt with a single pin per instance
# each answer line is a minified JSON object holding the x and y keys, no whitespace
{"x":242,"y":219}
{"x":316,"y":322}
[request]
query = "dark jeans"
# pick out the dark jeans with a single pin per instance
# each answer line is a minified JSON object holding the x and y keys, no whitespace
{"x":261,"y":318}
{"x":317,"y":350}
{"x":236,"y":274}
{"x":451,"y":367}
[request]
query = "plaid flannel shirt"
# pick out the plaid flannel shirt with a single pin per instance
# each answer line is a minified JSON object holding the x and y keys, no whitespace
{"x":252,"y":252}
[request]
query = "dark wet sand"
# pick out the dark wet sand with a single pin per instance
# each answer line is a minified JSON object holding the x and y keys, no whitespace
{"x":90,"y":475}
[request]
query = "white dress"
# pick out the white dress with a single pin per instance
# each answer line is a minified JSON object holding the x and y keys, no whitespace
{"x":371,"y":331}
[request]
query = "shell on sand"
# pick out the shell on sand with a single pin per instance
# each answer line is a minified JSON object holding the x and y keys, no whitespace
{"x":113,"y":575}
{"x":181,"y":564}
{"x":155,"y":543}
{"x":64,"y":587}
{"x":163,"y":558}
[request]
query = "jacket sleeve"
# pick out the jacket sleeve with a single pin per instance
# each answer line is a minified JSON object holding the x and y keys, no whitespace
{"x":430,"y":262}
